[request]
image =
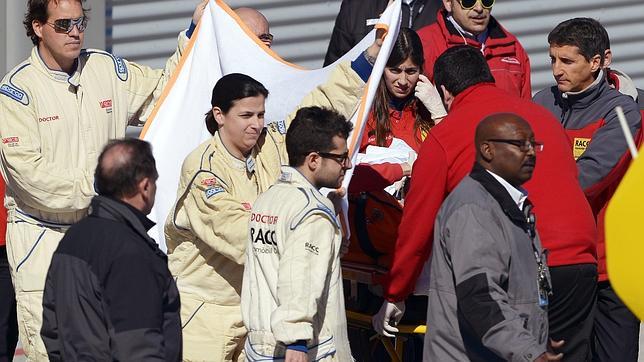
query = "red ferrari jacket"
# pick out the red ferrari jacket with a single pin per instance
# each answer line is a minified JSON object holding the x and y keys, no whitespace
{"x":564,"y":218}
{"x":506,"y":57}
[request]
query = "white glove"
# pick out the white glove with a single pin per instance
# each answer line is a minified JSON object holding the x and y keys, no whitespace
{"x":387,"y":317}
{"x":427,"y":93}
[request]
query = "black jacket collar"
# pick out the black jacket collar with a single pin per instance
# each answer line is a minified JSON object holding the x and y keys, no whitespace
{"x":116,"y":210}
{"x":501,"y":195}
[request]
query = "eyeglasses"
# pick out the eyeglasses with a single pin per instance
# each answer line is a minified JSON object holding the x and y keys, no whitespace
{"x":342,"y":159}
{"x":524,"y":146}
{"x":470,"y":4}
{"x":67,"y":25}
{"x":266,"y":38}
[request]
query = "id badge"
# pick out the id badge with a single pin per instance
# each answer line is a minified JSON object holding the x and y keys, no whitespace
{"x":543,"y":296}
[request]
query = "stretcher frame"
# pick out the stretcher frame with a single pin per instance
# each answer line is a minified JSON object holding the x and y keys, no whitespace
{"x":367,"y":274}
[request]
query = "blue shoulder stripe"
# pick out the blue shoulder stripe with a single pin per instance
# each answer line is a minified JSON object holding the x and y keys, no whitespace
{"x":10,"y":90}
{"x":119,"y":65}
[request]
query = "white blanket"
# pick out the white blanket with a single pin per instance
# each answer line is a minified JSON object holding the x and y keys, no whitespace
{"x":220,"y":45}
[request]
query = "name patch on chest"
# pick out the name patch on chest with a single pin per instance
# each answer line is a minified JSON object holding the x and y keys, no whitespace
{"x":48,"y":118}
{"x":106,"y":104}
{"x":510,"y":60}
{"x":579,"y":146}
{"x":11,"y":141}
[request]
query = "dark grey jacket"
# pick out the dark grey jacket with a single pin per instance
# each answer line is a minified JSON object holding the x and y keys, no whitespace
{"x":590,"y":115}
{"x":109,"y":295}
{"x":483,"y":296}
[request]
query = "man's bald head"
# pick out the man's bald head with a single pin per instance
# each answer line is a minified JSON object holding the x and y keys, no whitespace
{"x":257,"y":23}
{"x":505,"y":146}
{"x":122,"y":167}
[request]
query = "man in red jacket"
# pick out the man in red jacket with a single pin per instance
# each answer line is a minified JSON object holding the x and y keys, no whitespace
{"x":566,"y":225}
{"x":468,"y":22}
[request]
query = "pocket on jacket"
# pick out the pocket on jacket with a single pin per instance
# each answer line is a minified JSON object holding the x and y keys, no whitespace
{"x":32,"y":248}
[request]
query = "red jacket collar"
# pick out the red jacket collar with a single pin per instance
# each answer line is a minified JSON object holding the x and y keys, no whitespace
{"x":498,"y":37}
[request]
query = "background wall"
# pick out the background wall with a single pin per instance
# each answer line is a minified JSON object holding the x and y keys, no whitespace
{"x":145,"y":30}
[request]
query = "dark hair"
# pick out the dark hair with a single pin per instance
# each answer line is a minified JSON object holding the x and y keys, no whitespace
{"x":585,"y":33}
{"x":230,"y":88}
{"x":407,"y":45}
{"x":461,"y":67}
{"x":131,"y":161}
{"x":37,"y":10}
{"x":313,"y":129}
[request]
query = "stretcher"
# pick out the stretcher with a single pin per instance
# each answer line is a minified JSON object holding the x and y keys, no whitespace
{"x":369,"y":274}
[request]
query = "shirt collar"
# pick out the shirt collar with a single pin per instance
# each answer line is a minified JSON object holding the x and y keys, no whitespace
{"x":464,"y":33}
{"x":518,"y":195}
{"x":597,"y":80}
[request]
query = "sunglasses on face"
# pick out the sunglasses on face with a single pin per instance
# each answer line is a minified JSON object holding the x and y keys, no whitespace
{"x":470,"y":4}
{"x":266,"y":38}
{"x":341,"y":159}
{"x":524,"y":146}
{"x":67,"y":25}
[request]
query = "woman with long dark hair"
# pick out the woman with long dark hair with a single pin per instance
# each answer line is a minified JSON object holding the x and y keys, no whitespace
{"x":406,"y":107}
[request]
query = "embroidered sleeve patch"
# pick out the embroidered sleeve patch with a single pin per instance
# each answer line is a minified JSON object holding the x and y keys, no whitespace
{"x":121,"y":68}
{"x":281,"y":126}
{"x":212,"y":191}
{"x":212,"y":181}
{"x":579,"y":146}
{"x":14,"y":93}
{"x":11,"y":141}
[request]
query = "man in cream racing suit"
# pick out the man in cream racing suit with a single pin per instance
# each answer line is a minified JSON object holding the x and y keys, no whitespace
{"x":59,"y":108}
{"x":292,"y":298}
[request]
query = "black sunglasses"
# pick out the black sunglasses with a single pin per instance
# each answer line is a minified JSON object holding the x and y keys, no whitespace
{"x":523,"y":145}
{"x":266,"y":38}
{"x":67,"y":25}
{"x":470,"y":4}
{"x":341,"y":159}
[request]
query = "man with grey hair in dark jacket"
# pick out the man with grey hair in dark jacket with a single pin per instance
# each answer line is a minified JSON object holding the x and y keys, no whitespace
{"x":109,"y":295}
{"x":490,"y":283}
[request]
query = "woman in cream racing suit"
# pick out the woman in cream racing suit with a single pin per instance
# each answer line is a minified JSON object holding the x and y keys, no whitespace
{"x":206,"y":231}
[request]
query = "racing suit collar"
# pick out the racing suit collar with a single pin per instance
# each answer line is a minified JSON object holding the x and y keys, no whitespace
{"x":291,"y":175}
{"x":233,"y":161}
{"x":57,"y":75}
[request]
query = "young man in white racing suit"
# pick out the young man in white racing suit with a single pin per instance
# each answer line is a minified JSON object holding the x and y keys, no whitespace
{"x":292,"y":298}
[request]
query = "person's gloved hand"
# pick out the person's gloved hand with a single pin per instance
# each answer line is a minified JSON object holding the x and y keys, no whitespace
{"x":428,"y":94}
{"x":387,"y":317}
{"x":409,"y":165}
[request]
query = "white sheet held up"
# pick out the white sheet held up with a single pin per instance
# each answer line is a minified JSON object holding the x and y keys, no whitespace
{"x":220,"y":45}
